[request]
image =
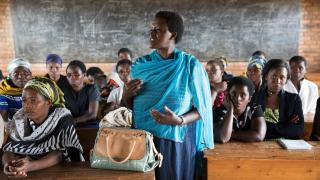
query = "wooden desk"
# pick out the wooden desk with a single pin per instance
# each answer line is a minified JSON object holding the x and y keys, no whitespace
{"x":308,"y":123}
{"x":82,"y":170}
{"x":265,"y":160}
{"x":87,"y":138}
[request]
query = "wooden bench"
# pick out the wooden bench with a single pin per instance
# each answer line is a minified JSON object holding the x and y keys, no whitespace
{"x":264,"y":160}
{"x":87,"y":138}
{"x":82,"y":170}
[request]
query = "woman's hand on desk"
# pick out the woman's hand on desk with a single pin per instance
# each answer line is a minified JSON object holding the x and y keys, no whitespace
{"x":18,"y":168}
{"x":169,"y":117}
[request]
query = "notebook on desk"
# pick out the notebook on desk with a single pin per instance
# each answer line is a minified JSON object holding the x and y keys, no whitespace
{"x":294,"y":144}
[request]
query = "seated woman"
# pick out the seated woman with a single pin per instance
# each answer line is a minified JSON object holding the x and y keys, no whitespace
{"x":315,"y":134}
{"x":53,"y":65}
{"x":93,"y":73}
{"x":123,"y":69}
{"x":42,"y":133}
{"x":218,"y":87}
{"x":226,"y":76}
{"x":236,"y":119}
{"x":282,"y":110}
{"x":19,"y":71}
{"x":254,"y":71}
{"x":81,"y":99}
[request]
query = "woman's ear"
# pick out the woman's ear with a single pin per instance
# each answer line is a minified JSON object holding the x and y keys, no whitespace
{"x":173,"y":36}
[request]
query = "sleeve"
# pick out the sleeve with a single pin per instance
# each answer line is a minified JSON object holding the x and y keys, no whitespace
{"x":257,"y":112}
{"x":113,"y":96}
{"x":3,"y":103}
{"x":313,"y":98}
{"x":94,"y":94}
{"x":202,"y":101}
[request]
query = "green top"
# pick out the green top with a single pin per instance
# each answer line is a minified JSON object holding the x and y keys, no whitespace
{"x":271,"y":115}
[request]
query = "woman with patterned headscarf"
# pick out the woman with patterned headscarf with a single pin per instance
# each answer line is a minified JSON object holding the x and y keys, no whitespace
{"x":254,"y":71}
{"x":19,"y":71}
{"x":41,"y":133}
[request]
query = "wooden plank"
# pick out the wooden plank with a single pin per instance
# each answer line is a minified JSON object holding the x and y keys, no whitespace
{"x":263,"y":169}
{"x":87,"y":138}
{"x":82,"y":170}
{"x":266,"y":160}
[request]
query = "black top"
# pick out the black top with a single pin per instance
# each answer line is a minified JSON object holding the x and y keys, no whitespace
{"x":316,"y":123}
{"x":241,"y":123}
{"x":226,"y":76}
{"x":289,"y":105}
{"x":78,"y":102}
{"x":63,"y":81}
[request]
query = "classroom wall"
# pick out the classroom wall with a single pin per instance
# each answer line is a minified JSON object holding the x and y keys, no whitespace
{"x":309,"y":42}
{"x":6,"y":40}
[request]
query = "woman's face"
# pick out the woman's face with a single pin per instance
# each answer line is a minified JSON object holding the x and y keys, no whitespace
{"x":53,"y":69}
{"x":160,"y":36}
{"x":20,"y":76}
{"x":240,"y":97}
{"x":124,"y":72}
{"x":298,"y":70}
{"x":35,"y":106}
{"x":75,"y":76}
{"x":254,"y":74}
{"x":276,"y":79}
{"x":215,"y":73}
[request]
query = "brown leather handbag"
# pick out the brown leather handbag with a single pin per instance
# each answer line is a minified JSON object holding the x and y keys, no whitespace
{"x":125,"y":149}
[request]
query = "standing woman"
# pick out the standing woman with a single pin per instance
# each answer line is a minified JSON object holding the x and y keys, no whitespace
{"x":282,"y":110}
{"x":170,"y":96}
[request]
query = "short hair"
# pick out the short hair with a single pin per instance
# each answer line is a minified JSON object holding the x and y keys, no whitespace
{"x":259,"y":53}
{"x":79,"y":64}
{"x":125,"y":50}
{"x":298,"y":59}
{"x":217,"y":62}
{"x":101,"y":79}
{"x":93,"y":71}
{"x":53,"y":58}
{"x":241,"y":81}
{"x":174,"y":22}
{"x":275,"y":64}
{"x":122,"y":62}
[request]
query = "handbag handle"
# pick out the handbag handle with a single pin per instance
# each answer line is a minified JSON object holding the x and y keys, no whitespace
{"x":123,"y":161}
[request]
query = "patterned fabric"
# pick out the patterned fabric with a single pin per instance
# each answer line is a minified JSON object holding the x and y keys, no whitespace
{"x":10,"y":97}
{"x":219,"y":99}
{"x":257,"y":61}
{"x":271,"y":116}
{"x":180,"y":83}
{"x":47,"y":88}
{"x":56,"y":133}
{"x":7,"y":87}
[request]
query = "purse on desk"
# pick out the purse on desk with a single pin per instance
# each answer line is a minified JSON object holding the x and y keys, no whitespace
{"x":125,"y":149}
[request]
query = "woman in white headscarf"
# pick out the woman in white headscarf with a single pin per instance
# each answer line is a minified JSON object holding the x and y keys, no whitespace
{"x":19,"y":71}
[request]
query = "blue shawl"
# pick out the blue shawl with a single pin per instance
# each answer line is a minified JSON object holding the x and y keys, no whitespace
{"x":181,"y":84}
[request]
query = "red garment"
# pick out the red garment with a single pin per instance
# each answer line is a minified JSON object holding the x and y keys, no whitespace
{"x":112,"y":84}
{"x":219,"y":99}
